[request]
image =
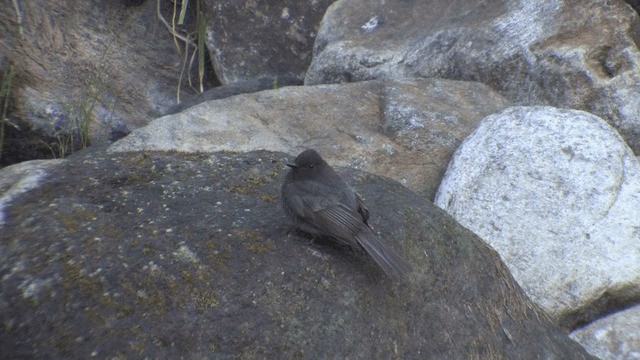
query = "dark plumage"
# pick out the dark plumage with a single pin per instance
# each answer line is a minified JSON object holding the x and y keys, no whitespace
{"x":319,"y":202}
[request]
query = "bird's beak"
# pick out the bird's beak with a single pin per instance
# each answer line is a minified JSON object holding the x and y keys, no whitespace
{"x":292,"y":165}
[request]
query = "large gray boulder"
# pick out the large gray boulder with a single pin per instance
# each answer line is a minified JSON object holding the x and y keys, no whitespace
{"x":250,"y":40}
{"x":406,"y":130}
{"x":111,"y":63}
{"x":564,"y":53}
{"x":557,"y":194}
{"x":171,"y":255}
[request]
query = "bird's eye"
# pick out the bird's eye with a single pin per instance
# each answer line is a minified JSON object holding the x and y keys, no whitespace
{"x":311,"y":166}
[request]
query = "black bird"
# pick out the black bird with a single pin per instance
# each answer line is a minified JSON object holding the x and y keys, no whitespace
{"x":319,"y":202}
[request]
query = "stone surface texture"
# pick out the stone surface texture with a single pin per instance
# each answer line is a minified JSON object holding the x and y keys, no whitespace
{"x":169,"y":255}
{"x":562,"y":53}
{"x":406,"y":130}
{"x":557,"y":194}
{"x":616,"y":336}
{"x":261,"y":39}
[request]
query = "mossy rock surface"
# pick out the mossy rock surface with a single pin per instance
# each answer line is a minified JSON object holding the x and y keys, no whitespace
{"x":169,"y":255}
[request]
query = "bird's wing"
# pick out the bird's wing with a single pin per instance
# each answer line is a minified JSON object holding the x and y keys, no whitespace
{"x":347,"y":225}
{"x":305,"y":206}
{"x":362,"y":209}
{"x":338,"y":220}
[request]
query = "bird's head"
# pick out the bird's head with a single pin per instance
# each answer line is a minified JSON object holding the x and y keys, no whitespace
{"x":308,"y":163}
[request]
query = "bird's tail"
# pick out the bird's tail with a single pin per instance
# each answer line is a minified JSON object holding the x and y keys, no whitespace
{"x":391,"y":263}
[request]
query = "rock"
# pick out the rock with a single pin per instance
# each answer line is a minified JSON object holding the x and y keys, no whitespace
{"x":616,"y":336}
{"x":225,"y":91}
{"x":635,"y":4}
{"x":406,"y":130}
{"x":251,"y":40}
{"x":557,"y":194}
{"x":20,"y":178}
{"x":558,"y":53}
{"x":167,"y":255}
{"x":109,"y":63}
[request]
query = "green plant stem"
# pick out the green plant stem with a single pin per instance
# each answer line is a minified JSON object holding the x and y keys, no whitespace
{"x":183,"y":11}
{"x":16,"y":5}
{"x":201,"y":30}
{"x":190,"y":40}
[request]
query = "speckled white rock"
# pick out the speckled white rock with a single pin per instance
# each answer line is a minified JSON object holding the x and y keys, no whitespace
{"x":616,"y":336}
{"x":557,"y":194}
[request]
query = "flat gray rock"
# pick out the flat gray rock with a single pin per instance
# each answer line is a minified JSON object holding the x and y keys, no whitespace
{"x":557,"y":194}
{"x":172,"y":255}
{"x":406,"y":130}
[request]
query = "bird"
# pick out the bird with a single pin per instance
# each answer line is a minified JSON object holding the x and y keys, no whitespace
{"x":319,"y":202}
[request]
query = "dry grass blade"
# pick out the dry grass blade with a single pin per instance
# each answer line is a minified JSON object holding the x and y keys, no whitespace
{"x":196,"y":40}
